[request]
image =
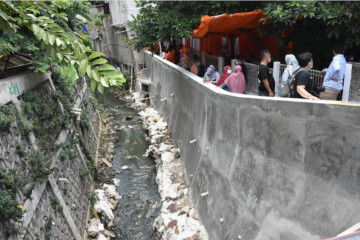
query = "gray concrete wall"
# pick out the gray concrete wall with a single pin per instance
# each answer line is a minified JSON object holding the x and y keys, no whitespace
{"x":64,"y":183}
{"x":354,"y":94}
{"x":13,"y":86}
{"x":273,"y":168}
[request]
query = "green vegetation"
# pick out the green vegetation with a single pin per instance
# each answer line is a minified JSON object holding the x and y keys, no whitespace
{"x":65,"y":191}
{"x":85,"y":121}
{"x":48,"y":226}
{"x":90,"y":169}
{"x":327,"y":19}
{"x":166,"y":20}
{"x":83,"y":173}
{"x":9,"y":207}
{"x":68,"y":148}
{"x":52,"y":35}
{"x":40,"y":164}
{"x":55,"y":204}
{"x":306,"y":23}
{"x":12,"y":180}
{"x":6,"y":117}
{"x":28,"y":190}
{"x":20,"y":150}
{"x":45,"y":116}
{"x":92,"y":198}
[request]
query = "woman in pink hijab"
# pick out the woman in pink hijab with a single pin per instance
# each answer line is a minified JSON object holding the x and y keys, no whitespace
{"x":236,"y":81}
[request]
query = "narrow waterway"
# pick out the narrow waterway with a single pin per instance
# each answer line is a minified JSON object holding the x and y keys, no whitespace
{"x":140,"y":203}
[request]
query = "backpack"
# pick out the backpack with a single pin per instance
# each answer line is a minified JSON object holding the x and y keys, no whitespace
{"x":286,"y":89}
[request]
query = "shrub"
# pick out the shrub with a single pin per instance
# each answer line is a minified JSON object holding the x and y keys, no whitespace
{"x":55,"y":204}
{"x":40,"y":163}
{"x":12,"y":180}
{"x":6,"y":117}
{"x":83,"y":173}
{"x":48,"y":226}
{"x":9,"y":207}
{"x":20,"y":150}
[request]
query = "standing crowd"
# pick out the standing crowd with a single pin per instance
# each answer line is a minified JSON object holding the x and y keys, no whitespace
{"x":297,"y":77}
{"x":295,"y":82}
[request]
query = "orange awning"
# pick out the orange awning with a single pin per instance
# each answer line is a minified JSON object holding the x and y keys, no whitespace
{"x":228,"y":24}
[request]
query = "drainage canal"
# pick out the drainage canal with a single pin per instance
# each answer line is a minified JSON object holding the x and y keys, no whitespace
{"x":140,"y":203}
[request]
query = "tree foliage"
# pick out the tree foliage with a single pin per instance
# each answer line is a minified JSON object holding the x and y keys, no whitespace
{"x":334,"y":20}
{"x":54,"y":30}
{"x":316,"y":25}
{"x":166,"y":20}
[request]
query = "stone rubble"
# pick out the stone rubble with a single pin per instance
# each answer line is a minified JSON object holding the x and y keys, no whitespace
{"x":178,"y":219}
{"x":107,"y":196}
{"x":105,"y":204}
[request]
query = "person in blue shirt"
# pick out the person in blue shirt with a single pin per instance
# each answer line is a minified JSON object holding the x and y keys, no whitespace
{"x":334,"y":77}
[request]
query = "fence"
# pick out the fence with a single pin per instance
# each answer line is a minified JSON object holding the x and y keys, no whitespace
{"x":253,"y":82}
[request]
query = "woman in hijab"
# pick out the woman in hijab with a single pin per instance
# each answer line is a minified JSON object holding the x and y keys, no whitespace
{"x":211,"y":75}
{"x":236,"y":81}
{"x":224,"y":75}
{"x":291,"y":65}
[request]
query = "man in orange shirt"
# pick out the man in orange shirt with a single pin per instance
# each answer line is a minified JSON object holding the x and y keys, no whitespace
{"x":170,"y":56}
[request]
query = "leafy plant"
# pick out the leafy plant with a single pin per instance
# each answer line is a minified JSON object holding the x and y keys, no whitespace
{"x":85,"y":121}
{"x":40,"y":163}
{"x":12,"y":180}
{"x":65,"y":191}
{"x":72,"y":154}
{"x":6,"y":117}
{"x":166,"y":20}
{"x":329,"y":19}
{"x":28,"y":190}
{"x":90,"y":165}
{"x":83,"y":172}
{"x":20,"y":150}
{"x":50,"y":26}
{"x":92,"y":199}
{"x":9,"y":207}
{"x":48,"y":226}
{"x":55,"y":204}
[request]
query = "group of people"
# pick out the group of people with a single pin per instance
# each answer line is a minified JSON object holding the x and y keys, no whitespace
{"x":298,"y":70}
{"x":232,"y":81}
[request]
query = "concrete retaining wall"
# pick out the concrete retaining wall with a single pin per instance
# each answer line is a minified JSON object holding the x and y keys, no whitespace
{"x":273,"y":168}
{"x":354,"y":94}
{"x":14,"y":86}
{"x":64,"y":183}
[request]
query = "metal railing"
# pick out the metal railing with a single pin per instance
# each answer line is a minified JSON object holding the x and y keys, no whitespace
{"x":253,"y":82}
{"x":317,"y":76}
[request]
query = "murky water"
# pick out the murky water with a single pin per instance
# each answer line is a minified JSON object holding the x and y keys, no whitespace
{"x":140,"y":203}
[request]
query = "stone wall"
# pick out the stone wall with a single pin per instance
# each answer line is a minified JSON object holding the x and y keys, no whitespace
{"x":63,"y":195}
{"x":273,"y":168}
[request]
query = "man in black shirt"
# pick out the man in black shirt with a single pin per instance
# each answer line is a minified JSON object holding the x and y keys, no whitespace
{"x":303,"y":84}
{"x":266,"y":80}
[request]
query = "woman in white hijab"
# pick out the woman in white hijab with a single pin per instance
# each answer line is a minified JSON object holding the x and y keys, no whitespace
{"x":211,"y":75}
{"x":291,"y":65}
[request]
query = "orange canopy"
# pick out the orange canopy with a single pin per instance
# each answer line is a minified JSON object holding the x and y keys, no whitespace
{"x":228,"y":24}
